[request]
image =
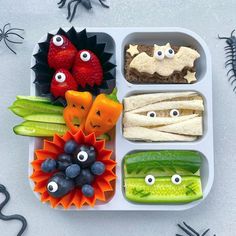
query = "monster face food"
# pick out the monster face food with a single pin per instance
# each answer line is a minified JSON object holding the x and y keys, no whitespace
{"x":73,"y":170}
{"x":176,"y":116}
{"x":168,"y":176}
{"x":160,"y":64}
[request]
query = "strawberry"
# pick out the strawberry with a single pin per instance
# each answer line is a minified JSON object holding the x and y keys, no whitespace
{"x":87,"y":69}
{"x":61,"y":53}
{"x":61,"y":82}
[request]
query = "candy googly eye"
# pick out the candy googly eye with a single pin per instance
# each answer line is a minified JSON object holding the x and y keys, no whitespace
{"x":52,"y":187}
{"x":160,"y":55}
{"x":85,"y":56}
{"x":60,"y":77}
{"x":58,"y":40}
{"x":150,"y":179}
{"x":169,"y":53}
{"x":176,"y":179}
{"x":151,"y":114}
{"x":82,"y":156}
{"x":174,"y":113}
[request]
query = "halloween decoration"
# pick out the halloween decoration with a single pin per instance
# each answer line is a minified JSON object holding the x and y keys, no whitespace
{"x":87,"y":69}
{"x":231,"y":57}
{"x":73,"y":4}
{"x":20,"y":218}
{"x":82,"y":63}
{"x":10,"y":35}
{"x":78,"y":106}
{"x":73,"y":170}
{"x":62,"y":81}
{"x":104,"y":114}
{"x":98,"y":116}
{"x":173,"y":116}
{"x":162,"y":176}
{"x":190,"y":231}
{"x":160,"y":64}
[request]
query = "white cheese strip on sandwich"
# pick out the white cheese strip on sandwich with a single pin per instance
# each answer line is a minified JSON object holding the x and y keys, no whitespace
{"x":145,"y":134}
{"x":188,"y":127}
{"x":137,"y":101}
{"x":131,"y":120}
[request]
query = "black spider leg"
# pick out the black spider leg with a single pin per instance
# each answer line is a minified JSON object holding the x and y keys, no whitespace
{"x":4,"y":27}
{"x":70,"y":16}
{"x":61,"y":3}
{"x":190,"y":228}
{"x":103,"y":4}
{"x":11,"y":41}
{"x":5,"y":41}
{"x":186,"y":231}
{"x":205,"y":232}
{"x":231,"y":35}
{"x":14,"y":29}
{"x":3,"y":217}
{"x":1,"y":35}
{"x":219,"y":37}
{"x":11,"y":33}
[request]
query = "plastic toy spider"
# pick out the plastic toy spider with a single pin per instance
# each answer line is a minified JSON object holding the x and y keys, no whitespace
{"x":190,"y":231}
{"x":86,"y":3}
{"x":5,"y":34}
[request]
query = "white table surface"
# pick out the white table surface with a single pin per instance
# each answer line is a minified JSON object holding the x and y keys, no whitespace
{"x":205,"y":17}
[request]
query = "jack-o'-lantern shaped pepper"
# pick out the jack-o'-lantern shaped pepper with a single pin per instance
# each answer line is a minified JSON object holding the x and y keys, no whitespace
{"x":103,"y":114}
{"x":78,"y":106}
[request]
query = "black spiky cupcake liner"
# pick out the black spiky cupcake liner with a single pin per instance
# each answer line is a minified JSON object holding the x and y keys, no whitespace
{"x":81,"y":40}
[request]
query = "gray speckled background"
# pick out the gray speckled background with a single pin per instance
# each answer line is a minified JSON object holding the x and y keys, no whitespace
{"x":205,"y":17}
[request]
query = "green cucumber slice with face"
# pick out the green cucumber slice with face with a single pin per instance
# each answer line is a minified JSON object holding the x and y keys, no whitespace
{"x":163,"y":190}
{"x":165,"y":176}
{"x":162,"y":163}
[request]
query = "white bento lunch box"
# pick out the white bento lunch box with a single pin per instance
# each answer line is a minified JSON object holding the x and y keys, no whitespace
{"x":116,"y":39}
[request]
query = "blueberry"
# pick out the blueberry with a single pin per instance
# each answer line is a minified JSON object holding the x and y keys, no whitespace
{"x":84,"y":156}
{"x":65,"y":157}
{"x":59,"y":185}
{"x":88,"y":190}
{"x":85,"y":177}
{"x":62,"y":165}
{"x":98,"y":168}
{"x":49,"y":165}
{"x":70,"y":146}
{"x":72,"y":171}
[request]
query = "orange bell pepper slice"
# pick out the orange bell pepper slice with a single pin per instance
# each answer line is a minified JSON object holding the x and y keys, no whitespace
{"x":78,"y":106}
{"x":103,"y":114}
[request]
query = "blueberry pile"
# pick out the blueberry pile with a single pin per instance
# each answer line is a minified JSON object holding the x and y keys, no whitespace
{"x":76,"y":167}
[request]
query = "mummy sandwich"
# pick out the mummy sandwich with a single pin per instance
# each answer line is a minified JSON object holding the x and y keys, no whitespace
{"x":160,"y":64}
{"x":176,"y":116}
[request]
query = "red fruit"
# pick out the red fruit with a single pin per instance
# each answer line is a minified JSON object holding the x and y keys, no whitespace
{"x":87,"y":69}
{"x":62,"y":81}
{"x":61,"y":53}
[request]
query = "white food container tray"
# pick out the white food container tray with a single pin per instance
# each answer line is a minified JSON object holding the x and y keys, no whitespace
{"x":118,"y":38}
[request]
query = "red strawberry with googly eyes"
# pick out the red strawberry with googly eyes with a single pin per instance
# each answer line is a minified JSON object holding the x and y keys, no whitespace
{"x":61,"y":53}
{"x":87,"y":69}
{"x":62,"y":81}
